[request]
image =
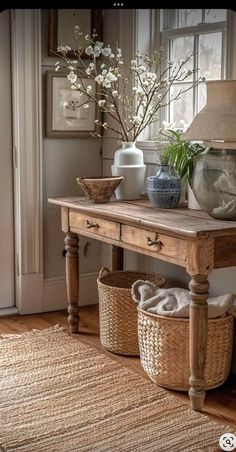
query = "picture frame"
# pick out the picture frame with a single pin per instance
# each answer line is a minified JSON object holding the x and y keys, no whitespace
{"x":64,"y":116}
{"x":62,"y":22}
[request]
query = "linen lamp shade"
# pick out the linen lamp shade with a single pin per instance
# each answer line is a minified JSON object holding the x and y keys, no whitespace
{"x":215,"y":124}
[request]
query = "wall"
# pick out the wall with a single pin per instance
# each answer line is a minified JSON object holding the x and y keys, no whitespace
{"x":63,"y":161}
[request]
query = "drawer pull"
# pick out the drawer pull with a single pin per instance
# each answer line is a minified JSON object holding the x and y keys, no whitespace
{"x":90,"y":225}
{"x":156,"y":241}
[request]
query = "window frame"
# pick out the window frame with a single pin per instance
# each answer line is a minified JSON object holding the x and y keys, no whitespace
{"x":203,"y":28}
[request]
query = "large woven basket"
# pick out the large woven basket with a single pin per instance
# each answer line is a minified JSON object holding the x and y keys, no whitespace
{"x":118,"y":312}
{"x":164,"y":350}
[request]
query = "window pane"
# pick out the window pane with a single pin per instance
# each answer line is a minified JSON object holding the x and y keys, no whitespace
{"x":215,"y":15}
{"x":180,"y":18}
{"x":169,"y":19}
{"x":181,"y":49}
{"x":189,"y":17}
{"x":181,"y":110}
{"x":208,"y":59}
{"x":201,"y":96}
{"x":210,"y":55}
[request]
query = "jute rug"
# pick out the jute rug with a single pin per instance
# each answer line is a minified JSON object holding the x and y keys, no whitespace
{"x":60,"y":395}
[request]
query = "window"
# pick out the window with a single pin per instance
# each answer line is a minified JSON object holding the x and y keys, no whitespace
{"x":201,"y":32}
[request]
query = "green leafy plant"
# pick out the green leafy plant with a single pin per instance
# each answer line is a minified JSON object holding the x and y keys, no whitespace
{"x":181,"y":154}
{"x":163,"y":159}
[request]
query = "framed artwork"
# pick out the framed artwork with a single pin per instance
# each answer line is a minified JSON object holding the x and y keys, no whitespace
{"x":66,"y":116}
{"x":63,"y":21}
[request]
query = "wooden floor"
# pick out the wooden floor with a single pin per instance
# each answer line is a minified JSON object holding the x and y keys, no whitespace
{"x":220,"y":403}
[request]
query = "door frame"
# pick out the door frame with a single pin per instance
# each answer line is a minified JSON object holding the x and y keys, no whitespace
{"x":7,"y":302}
{"x":27,"y":147}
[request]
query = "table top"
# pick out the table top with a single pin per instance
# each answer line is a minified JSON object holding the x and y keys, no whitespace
{"x":180,"y":221}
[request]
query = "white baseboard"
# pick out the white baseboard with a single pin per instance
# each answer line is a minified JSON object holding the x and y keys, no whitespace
{"x":4,"y":312}
{"x":29,"y":293}
{"x":55,"y":296}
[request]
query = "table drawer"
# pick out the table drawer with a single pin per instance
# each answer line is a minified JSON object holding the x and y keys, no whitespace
{"x":161,"y":244}
{"x":94,"y":225}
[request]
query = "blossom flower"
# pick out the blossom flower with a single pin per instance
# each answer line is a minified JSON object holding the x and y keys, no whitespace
{"x":141,"y":68}
{"x":136,"y":120}
{"x":63,"y":49}
{"x":77,"y":32}
{"x":151,"y":76}
{"x":99,"y":44}
{"x":99,"y":79}
{"x":97,"y":51}
{"x":72,"y":77}
{"x":89,"y":51}
{"x":133,"y":64}
{"x":111,"y":77}
{"x":130,"y":94}
{"x":106,"y":51}
{"x":106,"y":83}
{"x":101,"y":103}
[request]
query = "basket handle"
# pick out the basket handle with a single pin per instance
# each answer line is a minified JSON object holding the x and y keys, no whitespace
{"x":104,"y":270}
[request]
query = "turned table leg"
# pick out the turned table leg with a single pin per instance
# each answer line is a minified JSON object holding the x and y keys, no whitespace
{"x":117,"y":258}
{"x":198,"y":338}
{"x":72,"y":279}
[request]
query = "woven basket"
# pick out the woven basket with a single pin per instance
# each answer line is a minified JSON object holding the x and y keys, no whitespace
{"x":117,"y":310}
{"x":164,"y":350}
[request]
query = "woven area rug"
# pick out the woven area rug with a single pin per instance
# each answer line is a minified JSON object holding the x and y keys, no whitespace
{"x":60,"y":395}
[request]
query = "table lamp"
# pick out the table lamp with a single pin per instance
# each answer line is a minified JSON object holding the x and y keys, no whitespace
{"x":214,"y":177}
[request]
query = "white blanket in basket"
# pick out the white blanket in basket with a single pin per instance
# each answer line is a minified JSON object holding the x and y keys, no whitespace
{"x":175,"y":301}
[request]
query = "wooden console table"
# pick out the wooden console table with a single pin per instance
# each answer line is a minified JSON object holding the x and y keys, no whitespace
{"x":189,"y":238}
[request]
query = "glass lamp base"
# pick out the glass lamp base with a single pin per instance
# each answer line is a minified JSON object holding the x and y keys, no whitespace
{"x":214,"y":183}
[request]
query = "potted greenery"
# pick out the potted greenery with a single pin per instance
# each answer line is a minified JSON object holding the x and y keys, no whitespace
{"x":182,"y":155}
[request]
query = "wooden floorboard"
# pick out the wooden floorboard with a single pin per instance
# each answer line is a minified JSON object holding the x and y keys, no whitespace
{"x":220,"y":403}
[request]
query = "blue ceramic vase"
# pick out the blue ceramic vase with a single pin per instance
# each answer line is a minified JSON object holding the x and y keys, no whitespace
{"x":164,"y":189}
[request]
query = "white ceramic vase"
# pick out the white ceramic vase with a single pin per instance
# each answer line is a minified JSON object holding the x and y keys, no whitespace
{"x":192,"y":202}
{"x":128,"y":162}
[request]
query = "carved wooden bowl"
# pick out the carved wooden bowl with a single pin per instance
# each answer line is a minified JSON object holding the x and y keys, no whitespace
{"x":99,"y":189}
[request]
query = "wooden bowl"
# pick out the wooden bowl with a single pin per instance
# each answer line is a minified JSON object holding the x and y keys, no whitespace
{"x":99,"y":189}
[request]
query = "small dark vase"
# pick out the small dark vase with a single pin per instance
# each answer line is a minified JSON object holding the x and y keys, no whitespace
{"x":164,"y":189}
